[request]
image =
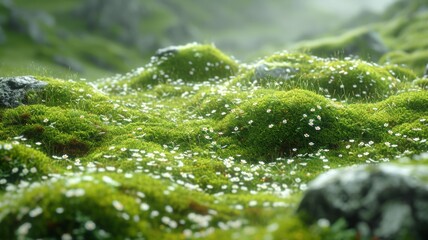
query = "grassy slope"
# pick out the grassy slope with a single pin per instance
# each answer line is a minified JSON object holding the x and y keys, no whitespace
{"x":197,"y":145}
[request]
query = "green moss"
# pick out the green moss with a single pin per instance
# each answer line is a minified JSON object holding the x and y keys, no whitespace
{"x":215,"y":104}
{"x":347,"y":79}
{"x":21,"y":164}
{"x":71,"y":94}
{"x":278,"y":122}
{"x":215,"y":157}
{"x":416,"y":60}
{"x":183,"y":64}
{"x":133,"y":206}
{"x":406,"y":35}
{"x":421,"y":82}
{"x":58,"y":131}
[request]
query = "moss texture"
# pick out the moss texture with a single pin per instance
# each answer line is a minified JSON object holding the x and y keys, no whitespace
{"x":211,"y":149}
{"x":346,"y":79}
{"x":185,"y":64}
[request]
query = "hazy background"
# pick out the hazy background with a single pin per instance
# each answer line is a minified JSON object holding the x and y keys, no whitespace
{"x":94,"y":38}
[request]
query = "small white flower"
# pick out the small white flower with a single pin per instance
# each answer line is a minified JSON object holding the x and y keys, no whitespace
{"x":90,"y":225}
{"x":117,"y":205}
{"x":144,"y":206}
{"x":7,"y":146}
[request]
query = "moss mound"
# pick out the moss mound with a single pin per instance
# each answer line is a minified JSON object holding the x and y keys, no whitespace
{"x":20,"y":164}
{"x":347,"y":79}
{"x":132,"y":206}
{"x":57,"y":131}
{"x":184,"y":64}
{"x":421,"y":82}
{"x":277,"y":123}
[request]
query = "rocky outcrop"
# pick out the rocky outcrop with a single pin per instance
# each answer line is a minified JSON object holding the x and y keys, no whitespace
{"x":385,"y":201}
{"x":14,"y":89}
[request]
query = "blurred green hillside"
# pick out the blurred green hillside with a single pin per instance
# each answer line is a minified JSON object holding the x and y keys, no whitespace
{"x":97,"y":38}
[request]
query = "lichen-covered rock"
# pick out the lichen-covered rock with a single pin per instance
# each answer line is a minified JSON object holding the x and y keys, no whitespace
{"x":388,"y":201}
{"x":13,"y":90}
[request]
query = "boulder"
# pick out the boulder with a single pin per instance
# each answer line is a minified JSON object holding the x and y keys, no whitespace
{"x":387,"y":201}
{"x":14,"y":89}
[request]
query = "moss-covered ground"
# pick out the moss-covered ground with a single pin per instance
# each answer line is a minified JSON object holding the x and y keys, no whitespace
{"x":198,"y":145}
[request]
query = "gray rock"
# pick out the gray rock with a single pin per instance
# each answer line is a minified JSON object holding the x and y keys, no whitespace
{"x":273,"y":71}
{"x":390,"y":200}
{"x":14,"y":89}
